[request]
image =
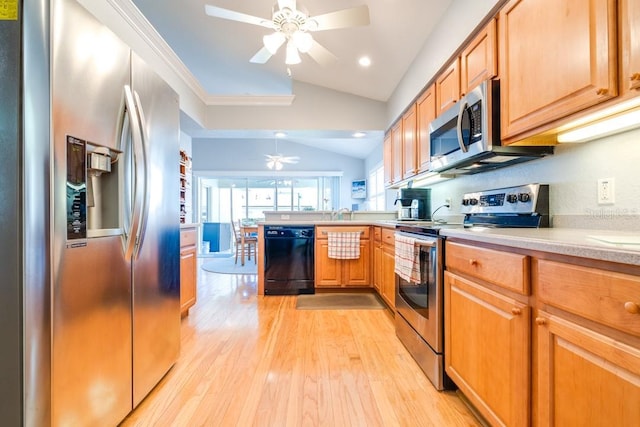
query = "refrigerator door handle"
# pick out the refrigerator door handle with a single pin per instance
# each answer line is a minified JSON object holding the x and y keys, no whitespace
{"x":134,"y":186}
{"x":144,"y":171}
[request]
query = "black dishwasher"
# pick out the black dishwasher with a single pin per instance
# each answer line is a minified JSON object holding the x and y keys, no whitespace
{"x":288,"y":259}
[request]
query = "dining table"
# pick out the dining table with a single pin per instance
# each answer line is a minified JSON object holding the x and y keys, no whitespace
{"x":247,"y":230}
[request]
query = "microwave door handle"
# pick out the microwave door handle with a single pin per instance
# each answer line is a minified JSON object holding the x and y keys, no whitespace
{"x":463,"y":108}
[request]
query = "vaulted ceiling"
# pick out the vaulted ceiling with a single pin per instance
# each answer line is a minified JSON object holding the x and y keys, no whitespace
{"x":217,"y":52}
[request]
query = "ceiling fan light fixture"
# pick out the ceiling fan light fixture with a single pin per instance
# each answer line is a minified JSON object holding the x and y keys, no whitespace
{"x":273,"y":41}
{"x":293,"y":57}
{"x":303,"y":41}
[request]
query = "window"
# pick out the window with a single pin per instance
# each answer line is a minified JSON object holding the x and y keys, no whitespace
{"x":376,"y":189}
{"x":232,"y":199}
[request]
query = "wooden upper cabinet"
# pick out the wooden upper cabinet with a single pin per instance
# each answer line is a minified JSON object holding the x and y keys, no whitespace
{"x":630,"y":47}
{"x":448,"y":87}
{"x":409,"y":141}
{"x":397,"y":154}
{"x":557,"y":57}
{"x":425,"y":113}
{"x":387,"y":159}
{"x":479,"y":60}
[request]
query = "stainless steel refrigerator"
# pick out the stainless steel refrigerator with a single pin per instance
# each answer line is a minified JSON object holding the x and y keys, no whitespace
{"x":89,"y":140}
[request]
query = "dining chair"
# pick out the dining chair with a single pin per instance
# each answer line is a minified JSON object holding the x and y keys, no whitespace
{"x":250,"y":243}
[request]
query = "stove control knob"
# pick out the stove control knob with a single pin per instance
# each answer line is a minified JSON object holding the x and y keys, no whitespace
{"x":465,"y":202}
{"x":512,"y":198}
{"x":473,"y":202}
{"x":524,"y":197}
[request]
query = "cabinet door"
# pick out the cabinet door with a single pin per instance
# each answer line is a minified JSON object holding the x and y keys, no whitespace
{"x":426,"y":112}
{"x":377,"y":260}
{"x":479,"y":60}
{"x":188,"y":274}
{"x":357,"y":272}
{"x":557,"y":57}
{"x":409,"y":141}
{"x":630,"y":47}
{"x":448,"y":87}
{"x":328,"y":271}
{"x":389,"y":276}
{"x":397,"y":151}
{"x":584,"y":378}
{"x":487,"y":350}
{"x":387,"y":158}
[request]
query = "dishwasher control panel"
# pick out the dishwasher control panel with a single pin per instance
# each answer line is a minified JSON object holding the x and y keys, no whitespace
{"x":289,"y":231}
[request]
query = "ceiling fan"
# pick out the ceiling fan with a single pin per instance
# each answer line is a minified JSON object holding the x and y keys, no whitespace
{"x":293,"y":24}
{"x":277,"y":161}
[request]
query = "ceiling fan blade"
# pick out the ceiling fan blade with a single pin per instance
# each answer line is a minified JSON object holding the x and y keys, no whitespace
{"x":218,"y":12}
{"x":261,"y":57}
{"x":291,"y":159}
{"x":353,"y":17}
{"x":321,"y":54}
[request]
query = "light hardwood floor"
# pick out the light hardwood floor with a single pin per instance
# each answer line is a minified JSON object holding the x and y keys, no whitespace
{"x":257,"y":361}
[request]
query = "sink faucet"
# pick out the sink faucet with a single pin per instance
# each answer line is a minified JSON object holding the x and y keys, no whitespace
{"x":339,"y":213}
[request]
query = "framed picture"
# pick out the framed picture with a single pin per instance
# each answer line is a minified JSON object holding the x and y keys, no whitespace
{"x":359,"y":189}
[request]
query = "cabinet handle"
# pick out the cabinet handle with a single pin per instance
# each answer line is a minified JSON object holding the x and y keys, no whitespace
{"x":635,"y":77}
{"x":541,"y":321}
{"x":632,"y":307}
{"x":516,"y":311}
{"x":473,"y":262}
{"x":602,"y":91}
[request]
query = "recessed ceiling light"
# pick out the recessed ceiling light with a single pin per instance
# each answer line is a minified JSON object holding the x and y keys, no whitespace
{"x":359,"y":134}
{"x":364,"y":61}
{"x":280,"y":134}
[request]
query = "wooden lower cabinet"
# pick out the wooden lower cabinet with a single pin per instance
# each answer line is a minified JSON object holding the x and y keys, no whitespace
{"x":384,"y":278}
{"x":188,"y":269}
{"x":584,"y":378}
{"x":487,"y":350}
{"x":331,"y":272}
{"x":587,"y":345}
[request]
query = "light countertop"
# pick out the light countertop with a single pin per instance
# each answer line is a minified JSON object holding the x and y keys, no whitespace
{"x":607,"y":245}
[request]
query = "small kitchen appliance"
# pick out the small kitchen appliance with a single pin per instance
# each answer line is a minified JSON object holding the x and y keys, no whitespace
{"x":414,"y":204}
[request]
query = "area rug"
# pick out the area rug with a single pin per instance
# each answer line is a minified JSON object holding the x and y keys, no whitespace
{"x":228,"y":266}
{"x":339,"y":301}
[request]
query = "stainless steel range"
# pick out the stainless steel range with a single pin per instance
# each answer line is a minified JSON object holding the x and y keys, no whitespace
{"x":420,"y":265}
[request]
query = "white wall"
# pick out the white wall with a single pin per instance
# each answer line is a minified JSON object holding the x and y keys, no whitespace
{"x":216,"y":157}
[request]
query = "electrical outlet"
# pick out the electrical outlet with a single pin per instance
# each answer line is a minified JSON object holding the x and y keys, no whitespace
{"x":448,"y":202}
{"x":606,"y":191}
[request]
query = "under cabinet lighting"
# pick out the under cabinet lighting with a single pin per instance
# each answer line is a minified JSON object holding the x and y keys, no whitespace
{"x":609,"y":126}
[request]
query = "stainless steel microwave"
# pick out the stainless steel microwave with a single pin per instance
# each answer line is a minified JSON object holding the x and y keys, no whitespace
{"x":465,"y":139}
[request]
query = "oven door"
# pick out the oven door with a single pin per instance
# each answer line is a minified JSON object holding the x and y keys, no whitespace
{"x":421,"y":304}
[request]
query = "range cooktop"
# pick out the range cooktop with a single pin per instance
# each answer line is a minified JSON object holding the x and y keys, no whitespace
{"x":524,"y":206}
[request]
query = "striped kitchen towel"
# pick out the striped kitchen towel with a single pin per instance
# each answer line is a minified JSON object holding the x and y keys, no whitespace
{"x":407,"y":259}
{"x":344,"y":244}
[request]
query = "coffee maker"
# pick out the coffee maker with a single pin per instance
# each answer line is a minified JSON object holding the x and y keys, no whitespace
{"x":414,"y":204}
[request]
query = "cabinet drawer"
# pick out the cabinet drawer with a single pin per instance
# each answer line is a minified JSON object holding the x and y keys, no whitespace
{"x":612,"y":299}
{"x":377,"y":233}
{"x":388,"y":236}
{"x":188,"y":237}
{"x":321,"y":231}
{"x":510,"y":271}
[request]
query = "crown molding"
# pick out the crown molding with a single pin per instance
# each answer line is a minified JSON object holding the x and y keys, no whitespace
{"x":251,"y":100}
{"x":139,"y":23}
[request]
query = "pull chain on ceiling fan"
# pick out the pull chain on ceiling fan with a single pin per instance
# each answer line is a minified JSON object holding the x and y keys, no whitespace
{"x":293,"y":25}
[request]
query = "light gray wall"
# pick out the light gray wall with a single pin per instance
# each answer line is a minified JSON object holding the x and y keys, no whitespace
{"x":217,"y":157}
{"x":458,"y":23}
{"x":572,"y":174}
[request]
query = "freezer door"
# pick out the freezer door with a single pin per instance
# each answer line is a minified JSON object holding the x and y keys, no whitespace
{"x":90,"y":289}
{"x":156,"y":265}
